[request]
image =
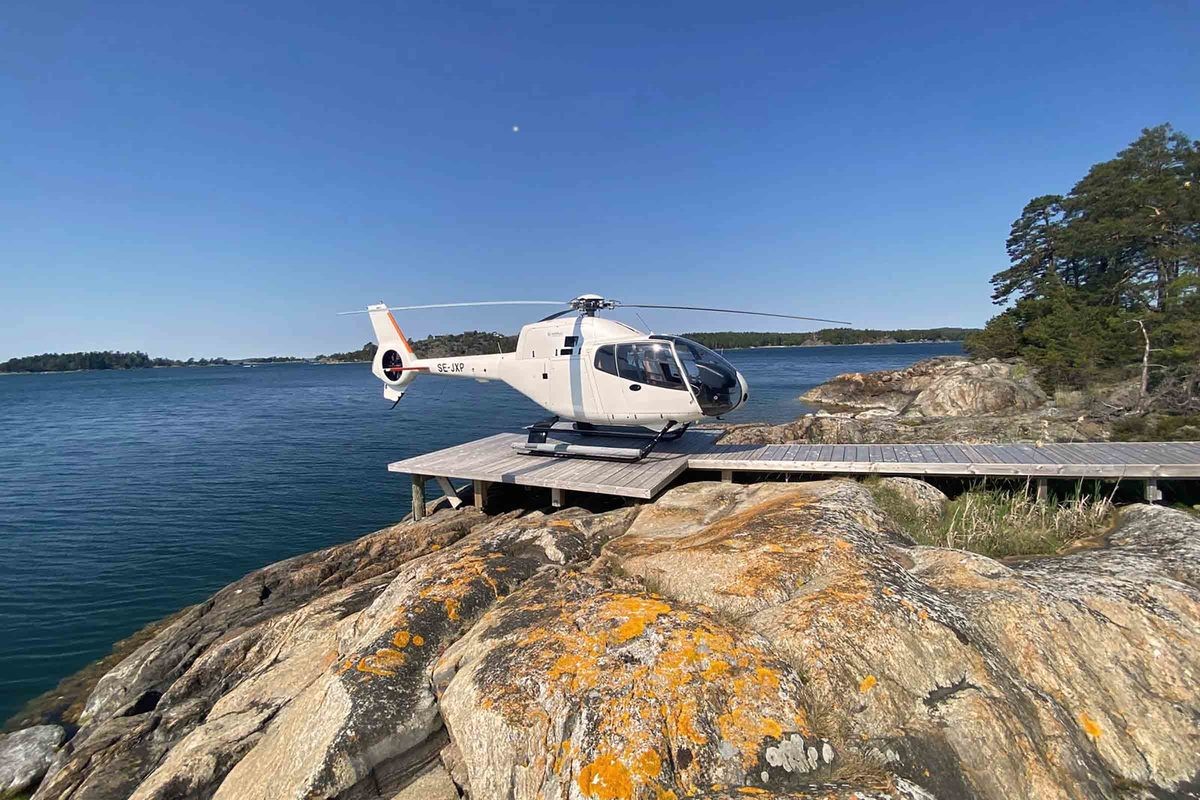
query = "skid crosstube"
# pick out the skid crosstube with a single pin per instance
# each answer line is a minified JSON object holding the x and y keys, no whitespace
{"x":537,"y":443}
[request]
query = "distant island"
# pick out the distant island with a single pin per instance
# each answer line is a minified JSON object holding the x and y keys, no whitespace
{"x":470,"y":343}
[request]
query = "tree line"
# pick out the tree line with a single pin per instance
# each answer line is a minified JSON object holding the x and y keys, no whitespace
{"x":115,"y":359}
{"x":1102,"y":282}
{"x":734,"y":339}
{"x":96,"y":359}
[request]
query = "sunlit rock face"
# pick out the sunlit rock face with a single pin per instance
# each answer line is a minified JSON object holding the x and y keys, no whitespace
{"x":577,"y":687}
{"x":770,"y":640}
{"x":1067,"y":676}
{"x":945,"y":399}
{"x":936,"y":387}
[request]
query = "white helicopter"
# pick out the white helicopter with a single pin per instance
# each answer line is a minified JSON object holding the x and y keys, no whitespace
{"x":598,"y":377}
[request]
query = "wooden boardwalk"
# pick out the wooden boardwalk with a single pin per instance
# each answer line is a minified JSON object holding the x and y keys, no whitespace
{"x":493,"y":460}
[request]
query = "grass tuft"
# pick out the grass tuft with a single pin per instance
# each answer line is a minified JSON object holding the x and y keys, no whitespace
{"x":1000,"y":523}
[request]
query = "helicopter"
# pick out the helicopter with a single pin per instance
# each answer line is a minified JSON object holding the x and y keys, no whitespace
{"x":596,"y":376}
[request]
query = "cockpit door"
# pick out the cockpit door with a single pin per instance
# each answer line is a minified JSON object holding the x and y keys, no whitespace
{"x":641,"y":383}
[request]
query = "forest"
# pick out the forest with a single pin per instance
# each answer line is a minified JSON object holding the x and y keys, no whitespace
{"x":1102,"y":282}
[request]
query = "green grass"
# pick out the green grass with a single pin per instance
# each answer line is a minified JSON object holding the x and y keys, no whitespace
{"x":997,"y":522}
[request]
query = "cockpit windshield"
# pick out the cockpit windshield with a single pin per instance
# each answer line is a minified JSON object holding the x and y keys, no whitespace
{"x":712,"y":379}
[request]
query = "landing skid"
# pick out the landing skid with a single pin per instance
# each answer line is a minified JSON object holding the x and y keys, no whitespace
{"x":538,"y":433}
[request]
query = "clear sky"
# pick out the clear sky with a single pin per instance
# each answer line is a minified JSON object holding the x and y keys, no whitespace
{"x":211,"y":178}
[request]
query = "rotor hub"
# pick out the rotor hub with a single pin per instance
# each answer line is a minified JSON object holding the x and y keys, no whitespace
{"x":589,"y":304}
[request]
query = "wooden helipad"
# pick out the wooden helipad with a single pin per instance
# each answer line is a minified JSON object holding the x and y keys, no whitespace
{"x":493,"y":460}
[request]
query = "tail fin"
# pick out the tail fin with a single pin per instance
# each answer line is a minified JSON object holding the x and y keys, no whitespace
{"x":395,"y":356}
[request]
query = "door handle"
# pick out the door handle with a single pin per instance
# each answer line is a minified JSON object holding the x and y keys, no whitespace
{"x":633,"y":387}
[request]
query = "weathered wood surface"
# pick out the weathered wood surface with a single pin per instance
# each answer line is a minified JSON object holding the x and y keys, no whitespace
{"x":493,"y":459}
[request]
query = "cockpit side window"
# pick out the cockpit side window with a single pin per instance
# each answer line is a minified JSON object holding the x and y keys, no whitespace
{"x":606,"y":359}
{"x":652,"y":364}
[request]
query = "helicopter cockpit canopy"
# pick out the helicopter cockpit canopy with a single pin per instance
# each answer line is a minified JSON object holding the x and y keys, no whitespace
{"x":713,"y":380}
{"x":672,"y":362}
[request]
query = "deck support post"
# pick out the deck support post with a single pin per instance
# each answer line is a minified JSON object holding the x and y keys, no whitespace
{"x":727,"y":476}
{"x":556,"y":498}
{"x":1043,"y":490}
{"x":418,"y":497}
{"x":1153,"y":495}
{"x":450,"y":492}
{"x":480,"y":490}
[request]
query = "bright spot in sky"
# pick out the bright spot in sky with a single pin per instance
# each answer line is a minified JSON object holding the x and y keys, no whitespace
{"x":516,"y":128}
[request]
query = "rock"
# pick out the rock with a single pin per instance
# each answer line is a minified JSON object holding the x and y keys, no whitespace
{"x":875,"y":413}
{"x":812,"y":428}
{"x":936,"y":387}
{"x":576,"y":688}
{"x":25,"y":756}
{"x":371,"y":718}
{"x":241,"y":655}
{"x":965,"y":395}
{"x":432,"y":784}
{"x":963,"y":675}
{"x":769,"y":640}
{"x":1042,"y":425}
{"x":927,"y":501}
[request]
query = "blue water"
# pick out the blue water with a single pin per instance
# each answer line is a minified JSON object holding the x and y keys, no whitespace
{"x":127,"y":495}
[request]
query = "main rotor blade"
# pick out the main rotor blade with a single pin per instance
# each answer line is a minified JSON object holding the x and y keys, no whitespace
{"x":461,"y":305}
{"x":733,"y":311}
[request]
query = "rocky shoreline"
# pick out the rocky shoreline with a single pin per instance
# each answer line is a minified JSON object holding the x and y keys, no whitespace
{"x":767,"y":640}
{"x":946,"y":399}
{"x":773,"y":640}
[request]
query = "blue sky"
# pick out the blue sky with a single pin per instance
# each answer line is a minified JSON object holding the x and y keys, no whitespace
{"x":220,"y":179}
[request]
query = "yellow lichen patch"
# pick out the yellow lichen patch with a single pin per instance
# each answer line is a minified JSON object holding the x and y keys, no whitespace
{"x":1090,"y":726}
{"x":452,"y":605}
{"x":637,"y":611}
{"x":606,"y":778}
{"x":418,"y":640}
{"x":401,"y":639}
{"x":647,"y":765}
{"x":382,"y":663}
{"x":867,"y":684}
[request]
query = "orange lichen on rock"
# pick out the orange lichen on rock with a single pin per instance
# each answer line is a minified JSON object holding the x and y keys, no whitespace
{"x":665,"y":699}
{"x":605,"y":778}
{"x":638,"y":611}
{"x":1090,"y":726}
{"x":867,"y":684}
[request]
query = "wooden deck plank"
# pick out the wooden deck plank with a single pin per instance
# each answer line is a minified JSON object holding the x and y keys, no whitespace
{"x":494,"y":459}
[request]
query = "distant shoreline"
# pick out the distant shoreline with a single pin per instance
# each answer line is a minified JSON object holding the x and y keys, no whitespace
{"x":339,"y":363}
{"x":841,"y":344}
